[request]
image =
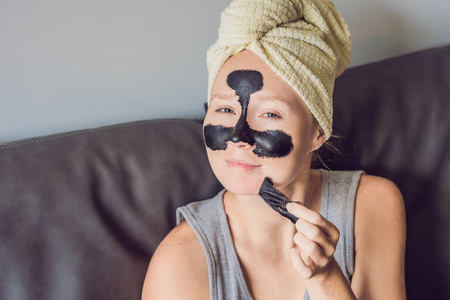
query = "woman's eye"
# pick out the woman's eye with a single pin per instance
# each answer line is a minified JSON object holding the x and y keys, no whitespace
{"x":225,"y":110}
{"x":270,"y":115}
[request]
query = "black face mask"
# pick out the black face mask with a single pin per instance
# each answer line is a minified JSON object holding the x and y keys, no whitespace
{"x":269,"y":143}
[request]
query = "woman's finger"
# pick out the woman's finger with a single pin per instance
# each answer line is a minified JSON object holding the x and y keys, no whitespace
{"x":300,"y":265}
{"x":315,"y":234}
{"x":311,"y":249}
{"x":300,"y":211}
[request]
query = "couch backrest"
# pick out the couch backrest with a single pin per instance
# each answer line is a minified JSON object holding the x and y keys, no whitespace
{"x":396,"y":114}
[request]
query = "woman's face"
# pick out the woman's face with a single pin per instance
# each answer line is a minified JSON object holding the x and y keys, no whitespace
{"x":256,"y":126}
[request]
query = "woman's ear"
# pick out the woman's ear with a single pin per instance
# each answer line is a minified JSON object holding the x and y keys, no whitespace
{"x":318,"y":139}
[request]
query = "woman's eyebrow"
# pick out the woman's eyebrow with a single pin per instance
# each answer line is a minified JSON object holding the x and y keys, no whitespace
{"x":272,"y":99}
{"x":224,"y":97}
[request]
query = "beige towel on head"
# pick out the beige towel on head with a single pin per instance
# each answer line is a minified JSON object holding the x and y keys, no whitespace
{"x":305,"y":42}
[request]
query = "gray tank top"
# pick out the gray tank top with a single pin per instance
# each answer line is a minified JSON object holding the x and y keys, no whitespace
{"x":208,"y":220}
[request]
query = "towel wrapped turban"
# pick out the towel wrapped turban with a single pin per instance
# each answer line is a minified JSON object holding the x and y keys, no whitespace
{"x":305,"y":42}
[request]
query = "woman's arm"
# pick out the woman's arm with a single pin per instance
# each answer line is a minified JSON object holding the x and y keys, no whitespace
{"x":380,"y":238}
{"x":178,"y":269}
{"x":379,"y":246}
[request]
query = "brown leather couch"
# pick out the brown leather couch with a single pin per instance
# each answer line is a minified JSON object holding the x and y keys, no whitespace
{"x":82,"y":212}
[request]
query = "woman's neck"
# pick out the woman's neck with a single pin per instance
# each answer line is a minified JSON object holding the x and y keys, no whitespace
{"x":253,"y":220}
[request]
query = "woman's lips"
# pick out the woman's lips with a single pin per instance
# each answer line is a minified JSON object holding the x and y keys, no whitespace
{"x":241,"y":165}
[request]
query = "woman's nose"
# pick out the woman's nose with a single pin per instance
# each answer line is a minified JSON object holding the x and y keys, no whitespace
{"x":242,"y":133}
{"x":240,"y":144}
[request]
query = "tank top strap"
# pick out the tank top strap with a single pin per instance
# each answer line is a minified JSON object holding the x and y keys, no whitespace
{"x":338,"y":207}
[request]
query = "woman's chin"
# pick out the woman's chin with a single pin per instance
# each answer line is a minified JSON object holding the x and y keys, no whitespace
{"x":243,"y":187}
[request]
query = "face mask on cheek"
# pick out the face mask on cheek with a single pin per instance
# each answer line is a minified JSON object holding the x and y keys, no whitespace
{"x":269,"y":143}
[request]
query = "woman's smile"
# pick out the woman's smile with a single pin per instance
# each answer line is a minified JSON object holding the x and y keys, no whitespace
{"x":241,"y":165}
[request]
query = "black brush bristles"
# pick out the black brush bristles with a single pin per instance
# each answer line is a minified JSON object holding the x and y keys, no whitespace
{"x":276,"y":199}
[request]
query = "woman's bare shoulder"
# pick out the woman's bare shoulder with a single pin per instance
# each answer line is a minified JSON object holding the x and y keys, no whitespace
{"x":379,"y":197}
{"x":178,"y":268}
{"x":378,"y":201}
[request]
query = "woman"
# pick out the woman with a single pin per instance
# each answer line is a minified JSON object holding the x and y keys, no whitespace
{"x":272,"y":73}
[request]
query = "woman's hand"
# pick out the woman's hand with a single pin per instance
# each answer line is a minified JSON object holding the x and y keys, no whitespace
{"x":315,"y":241}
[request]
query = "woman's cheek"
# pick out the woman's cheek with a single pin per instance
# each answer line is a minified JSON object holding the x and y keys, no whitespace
{"x":283,"y":171}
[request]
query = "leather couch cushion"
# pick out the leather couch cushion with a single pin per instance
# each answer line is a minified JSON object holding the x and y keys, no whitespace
{"x":81,"y":213}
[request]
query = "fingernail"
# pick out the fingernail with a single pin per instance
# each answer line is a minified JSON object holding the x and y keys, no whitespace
{"x":289,"y":206}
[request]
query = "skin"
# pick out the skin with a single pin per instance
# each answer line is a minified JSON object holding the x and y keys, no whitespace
{"x":280,"y":259}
